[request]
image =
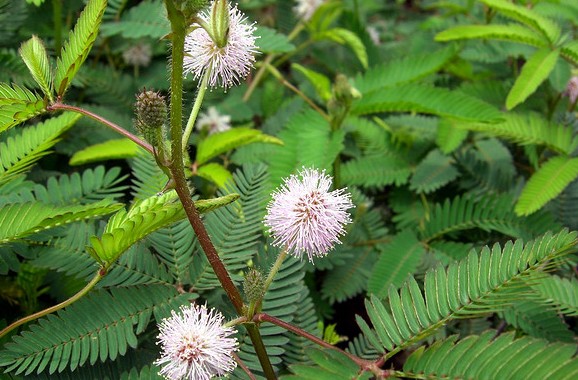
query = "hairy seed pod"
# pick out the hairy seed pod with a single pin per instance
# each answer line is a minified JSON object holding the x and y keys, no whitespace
{"x":151,"y":115}
{"x":254,"y":286}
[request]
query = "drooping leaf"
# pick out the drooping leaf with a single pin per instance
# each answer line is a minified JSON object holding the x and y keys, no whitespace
{"x":534,"y":72}
{"x":545,"y":184}
{"x":80,"y":41}
{"x":344,"y":36}
{"x":34,"y":55}
{"x":320,"y":82}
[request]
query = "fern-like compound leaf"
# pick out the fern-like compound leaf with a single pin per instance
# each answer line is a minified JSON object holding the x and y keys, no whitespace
{"x":101,"y":326}
{"x":18,"y":220}
{"x":538,"y":321}
{"x":528,"y":17}
{"x":535,"y":71}
{"x":570,"y":51}
{"x":18,"y":104}
{"x":426,"y":99}
{"x":477,"y":357}
{"x":510,"y":32}
{"x":147,"y":19}
{"x":329,"y":365}
{"x":127,"y":227}
{"x":546,"y":183}
{"x":21,"y":151}
{"x":433,"y":172}
{"x":34,"y":55}
{"x":559,"y":292}
{"x":479,"y":284}
{"x":80,"y":41}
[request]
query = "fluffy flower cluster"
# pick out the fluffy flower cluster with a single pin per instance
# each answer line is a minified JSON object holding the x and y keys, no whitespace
{"x":306,"y":8}
{"x":305,"y":217}
{"x":195,"y":345}
{"x":228,"y":64}
{"x":213,"y":122}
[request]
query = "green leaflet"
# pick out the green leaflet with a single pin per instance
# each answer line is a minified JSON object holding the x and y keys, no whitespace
{"x":559,"y":292}
{"x":18,"y":220}
{"x":108,"y":150}
{"x":344,"y":36}
{"x":570,"y":51}
{"x":34,"y":55}
{"x":271,"y":41}
{"x":21,"y":151}
{"x":546,"y":183}
{"x":127,"y":227}
{"x":434,"y":171}
{"x":426,"y":99}
{"x":18,"y":104}
{"x":527,"y":16}
{"x":215,"y":173}
{"x":534,"y":72}
{"x":219,"y":143}
{"x":510,"y":32}
{"x":475,"y":357}
{"x":397,"y":260}
{"x":479,"y":284}
{"x":320,"y":82}
{"x":79,"y":43}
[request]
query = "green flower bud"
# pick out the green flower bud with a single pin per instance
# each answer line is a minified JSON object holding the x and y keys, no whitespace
{"x":220,"y":22}
{"x":151,"y":115}
{"x":254,"y":286}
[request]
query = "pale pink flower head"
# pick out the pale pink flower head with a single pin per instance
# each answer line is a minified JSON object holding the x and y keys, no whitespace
{"x":213,"y":122}
{"x":572,"y":89}
{"x":195,"y":345}
{"x":306,"y":8}
{"x":228,"y":64}
{"x":305,"y":217}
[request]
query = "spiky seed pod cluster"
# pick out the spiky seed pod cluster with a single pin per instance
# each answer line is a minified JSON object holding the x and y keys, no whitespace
{"x":254,"y":285}
{"x":151,"y":115}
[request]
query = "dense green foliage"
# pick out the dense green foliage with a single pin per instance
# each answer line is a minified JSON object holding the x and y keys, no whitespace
{"x":453,"y":124}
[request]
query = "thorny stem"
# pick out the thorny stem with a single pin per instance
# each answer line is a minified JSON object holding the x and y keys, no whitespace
{"x":178,"y":28}
{"x":373,"y":366}
{"x":195,"y":110}
{"x":66,"y":107}
{"x":99,"y":275}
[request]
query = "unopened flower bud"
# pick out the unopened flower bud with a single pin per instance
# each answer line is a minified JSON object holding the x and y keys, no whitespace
{"x":220,"y":22}
{"x":151,"y":115}
{"x":254,"y":286}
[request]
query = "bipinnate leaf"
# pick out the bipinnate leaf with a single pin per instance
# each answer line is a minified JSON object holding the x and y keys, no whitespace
{"x":80,"y":41}
{"x":527,"y":16}
{"x":146,"y":19}
{"x":479,"y":284}
{"x":510,"y":32}
{"x":546,"y":183}
{"x":127,"y":227}
{"x":18,"y":104}
{"x":397,"y":260}
{"x":534,"y":72}
{"x":34,"y":55}
{"x":20,"y":151}
{"x":219,"y":143}
{"x":108,"y":150}
{"x":495,"y":357}
{"x":18,"y":220}
{"x":101,"y":326}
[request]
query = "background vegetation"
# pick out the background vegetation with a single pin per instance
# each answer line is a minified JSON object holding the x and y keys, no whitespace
{"x":452,"y":123}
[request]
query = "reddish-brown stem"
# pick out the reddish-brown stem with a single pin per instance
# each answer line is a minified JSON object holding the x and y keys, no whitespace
{"x":372,"y":366}
{"x":66,"y":107}
{"x":244,"y":367}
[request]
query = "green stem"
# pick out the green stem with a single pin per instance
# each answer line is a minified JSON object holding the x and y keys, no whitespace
{"x":65,"y":107}
{"x":195,"y":110}
{"x":178,"y":29}
{"x":274,"y":269}
{"x":54,"y":308}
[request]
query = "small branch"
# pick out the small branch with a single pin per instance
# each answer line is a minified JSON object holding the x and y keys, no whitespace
{"x":244,"y":367}
{"x":287,"y":84}
{"x":54,"y":308}
{"x":66,"y":107}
